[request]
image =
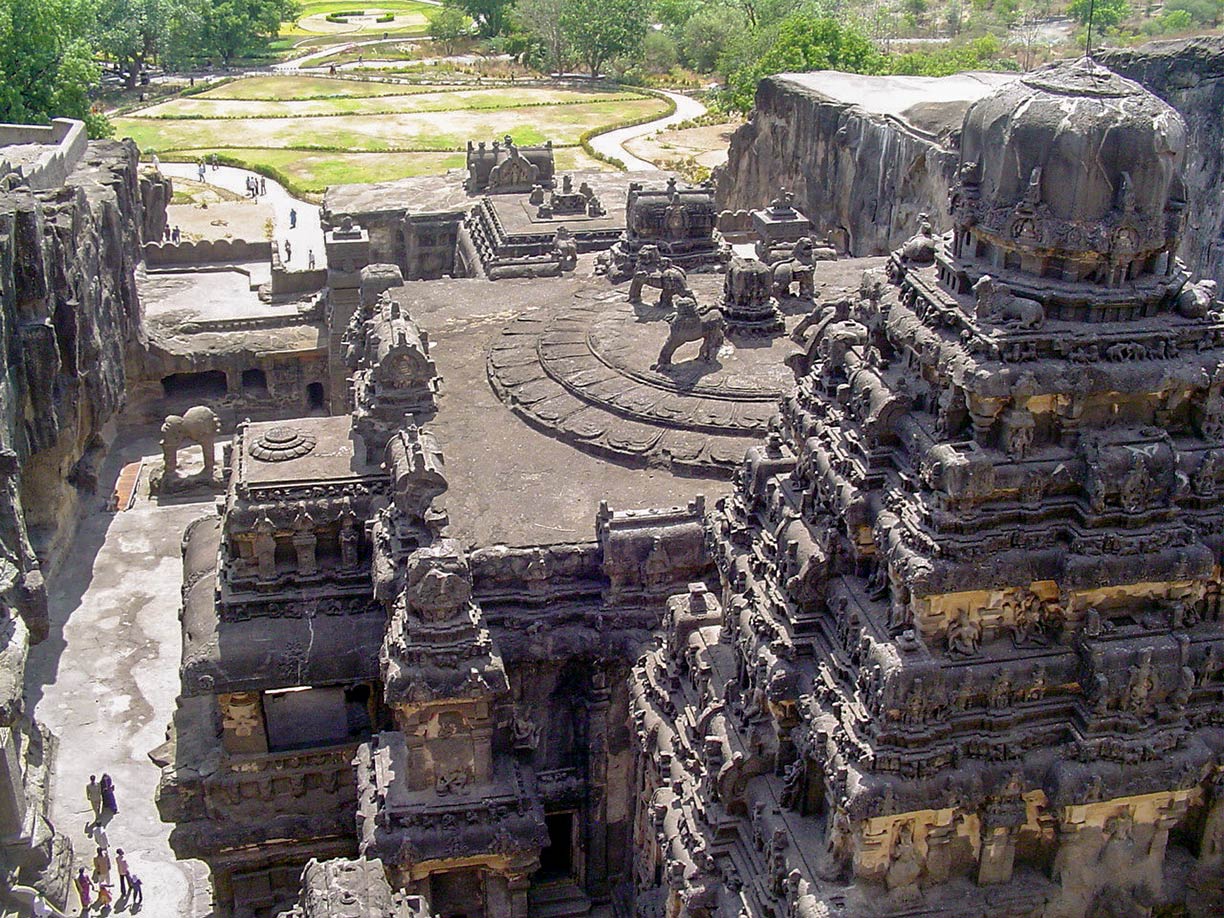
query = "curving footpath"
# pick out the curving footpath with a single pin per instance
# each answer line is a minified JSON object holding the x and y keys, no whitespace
{"x":612,"y":143}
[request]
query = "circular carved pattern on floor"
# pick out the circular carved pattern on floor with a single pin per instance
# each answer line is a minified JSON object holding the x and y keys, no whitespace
{"x":584,"y":371}
{"x":280,"y":444}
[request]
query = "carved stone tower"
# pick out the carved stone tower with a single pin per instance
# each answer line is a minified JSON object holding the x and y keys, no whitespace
{"x":969,"y":654}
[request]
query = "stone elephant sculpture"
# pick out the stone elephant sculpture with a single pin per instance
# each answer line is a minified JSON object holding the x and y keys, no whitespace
{"x":198,"y":425}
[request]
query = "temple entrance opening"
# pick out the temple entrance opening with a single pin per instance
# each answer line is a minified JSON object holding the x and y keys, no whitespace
{"x":457,"y":894}
{"x":315,"y":398}
{"x":557,"y":859}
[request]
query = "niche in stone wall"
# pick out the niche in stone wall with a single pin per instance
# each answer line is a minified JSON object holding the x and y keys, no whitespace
{"x":254,"y":382}
{"x":208,"y":384}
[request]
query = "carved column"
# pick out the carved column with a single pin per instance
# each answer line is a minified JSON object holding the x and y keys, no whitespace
{"x":517,"y":885}
{"x":595,"y":819}
{"x":998,"y":855}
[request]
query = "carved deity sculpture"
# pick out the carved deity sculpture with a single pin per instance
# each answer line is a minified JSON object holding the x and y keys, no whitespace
{"x":964,"y":634}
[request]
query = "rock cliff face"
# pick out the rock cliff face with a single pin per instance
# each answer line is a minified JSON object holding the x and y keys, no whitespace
{"x":865,"y":175}
{"x":862,"y":176}
{"x":1189,"y":75}
{"x":69,"y":321}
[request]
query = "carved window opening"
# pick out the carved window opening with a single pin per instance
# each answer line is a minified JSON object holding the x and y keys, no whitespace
{"x":209,"y":384}
{"x":254,"y":382}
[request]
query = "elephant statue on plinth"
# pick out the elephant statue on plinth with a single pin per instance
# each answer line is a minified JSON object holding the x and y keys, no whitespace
{"x":197,"y":425}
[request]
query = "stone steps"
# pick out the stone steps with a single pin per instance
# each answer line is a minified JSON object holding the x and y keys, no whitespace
{"x":562,"y":899}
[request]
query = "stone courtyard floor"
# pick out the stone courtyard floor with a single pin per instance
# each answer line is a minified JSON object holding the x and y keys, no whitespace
{"x":106,"y":678}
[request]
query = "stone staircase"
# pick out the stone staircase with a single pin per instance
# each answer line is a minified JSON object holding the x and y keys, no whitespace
{"x":560,"y":899}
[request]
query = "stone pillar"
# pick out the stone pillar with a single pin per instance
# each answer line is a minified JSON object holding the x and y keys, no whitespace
{"x":998,"y":856}
{"x":595,"y":819}
{"x":498,"y":903}
{"x":348,"y":251}
{"x":939,"y":840}
{"x":12,"y":787}
{"x":517,"y":885}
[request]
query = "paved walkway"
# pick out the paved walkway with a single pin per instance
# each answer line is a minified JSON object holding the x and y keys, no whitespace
{"x":613,"y":142}
{"x":305,"y":236}
{"x":106,"y":679}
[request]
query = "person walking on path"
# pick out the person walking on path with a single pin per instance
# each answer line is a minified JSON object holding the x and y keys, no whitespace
{"x":93,"y":793}
{"x":310,"y":259}
{"x":134,"y":885}
{"x":102,"y":867}
{"x":200,"y":170}
{"x":99,"y":836}
{"x":84,"y":889}
{"x":104,"y":898}
{"x":108,"y":796}
{"x":121,"y":865}
{"x":263,"y":185}
{"x":288,"y":251}
{"x":292,"y":218}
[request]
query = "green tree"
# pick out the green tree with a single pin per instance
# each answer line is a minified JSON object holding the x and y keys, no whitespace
{"x":795,"y":45}
{"x":130,"y":31}
{"x":448,"y":26}
{"x":1105,"y":13}
{"x":706,"y":36}
{"x":1199,"y":12}
{"x":491,"y":16}
{"x":658,"y":51}
{"x":224,"y":29}
{"x":542,"y":19}
{"x":47,"y":66}
{"x":600,"y":30}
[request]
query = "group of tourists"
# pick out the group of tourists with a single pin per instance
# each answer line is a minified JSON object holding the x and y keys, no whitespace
{"x":94,"y":889}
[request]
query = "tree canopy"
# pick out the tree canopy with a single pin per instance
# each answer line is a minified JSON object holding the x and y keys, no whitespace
{"x":491,"y":16}
{"x":600,"y":30}
{"x":47,"y":62}
{"x":795,"y":44}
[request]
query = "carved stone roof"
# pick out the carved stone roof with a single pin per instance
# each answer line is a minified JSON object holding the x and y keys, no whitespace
{"x":1097,"y":141}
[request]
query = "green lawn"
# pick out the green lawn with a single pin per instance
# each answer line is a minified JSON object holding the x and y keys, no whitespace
{"x":437,"y":130}
{"x":313,"y":11}
{"x":277,"y":88}
{"x":202,"y":107}
{"x":313,"y":172}
{"x":317,"y":131}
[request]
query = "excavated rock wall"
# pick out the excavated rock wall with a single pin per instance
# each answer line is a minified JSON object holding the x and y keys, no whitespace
{"x":1189,"y":75}
{"x":863,"y":177}
{"x":69,"y":325}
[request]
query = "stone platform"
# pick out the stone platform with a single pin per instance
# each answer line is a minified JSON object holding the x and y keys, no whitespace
{"x":582,"y":370}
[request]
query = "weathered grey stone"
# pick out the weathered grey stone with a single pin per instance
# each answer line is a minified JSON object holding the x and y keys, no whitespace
{"x":1189,"y":75}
